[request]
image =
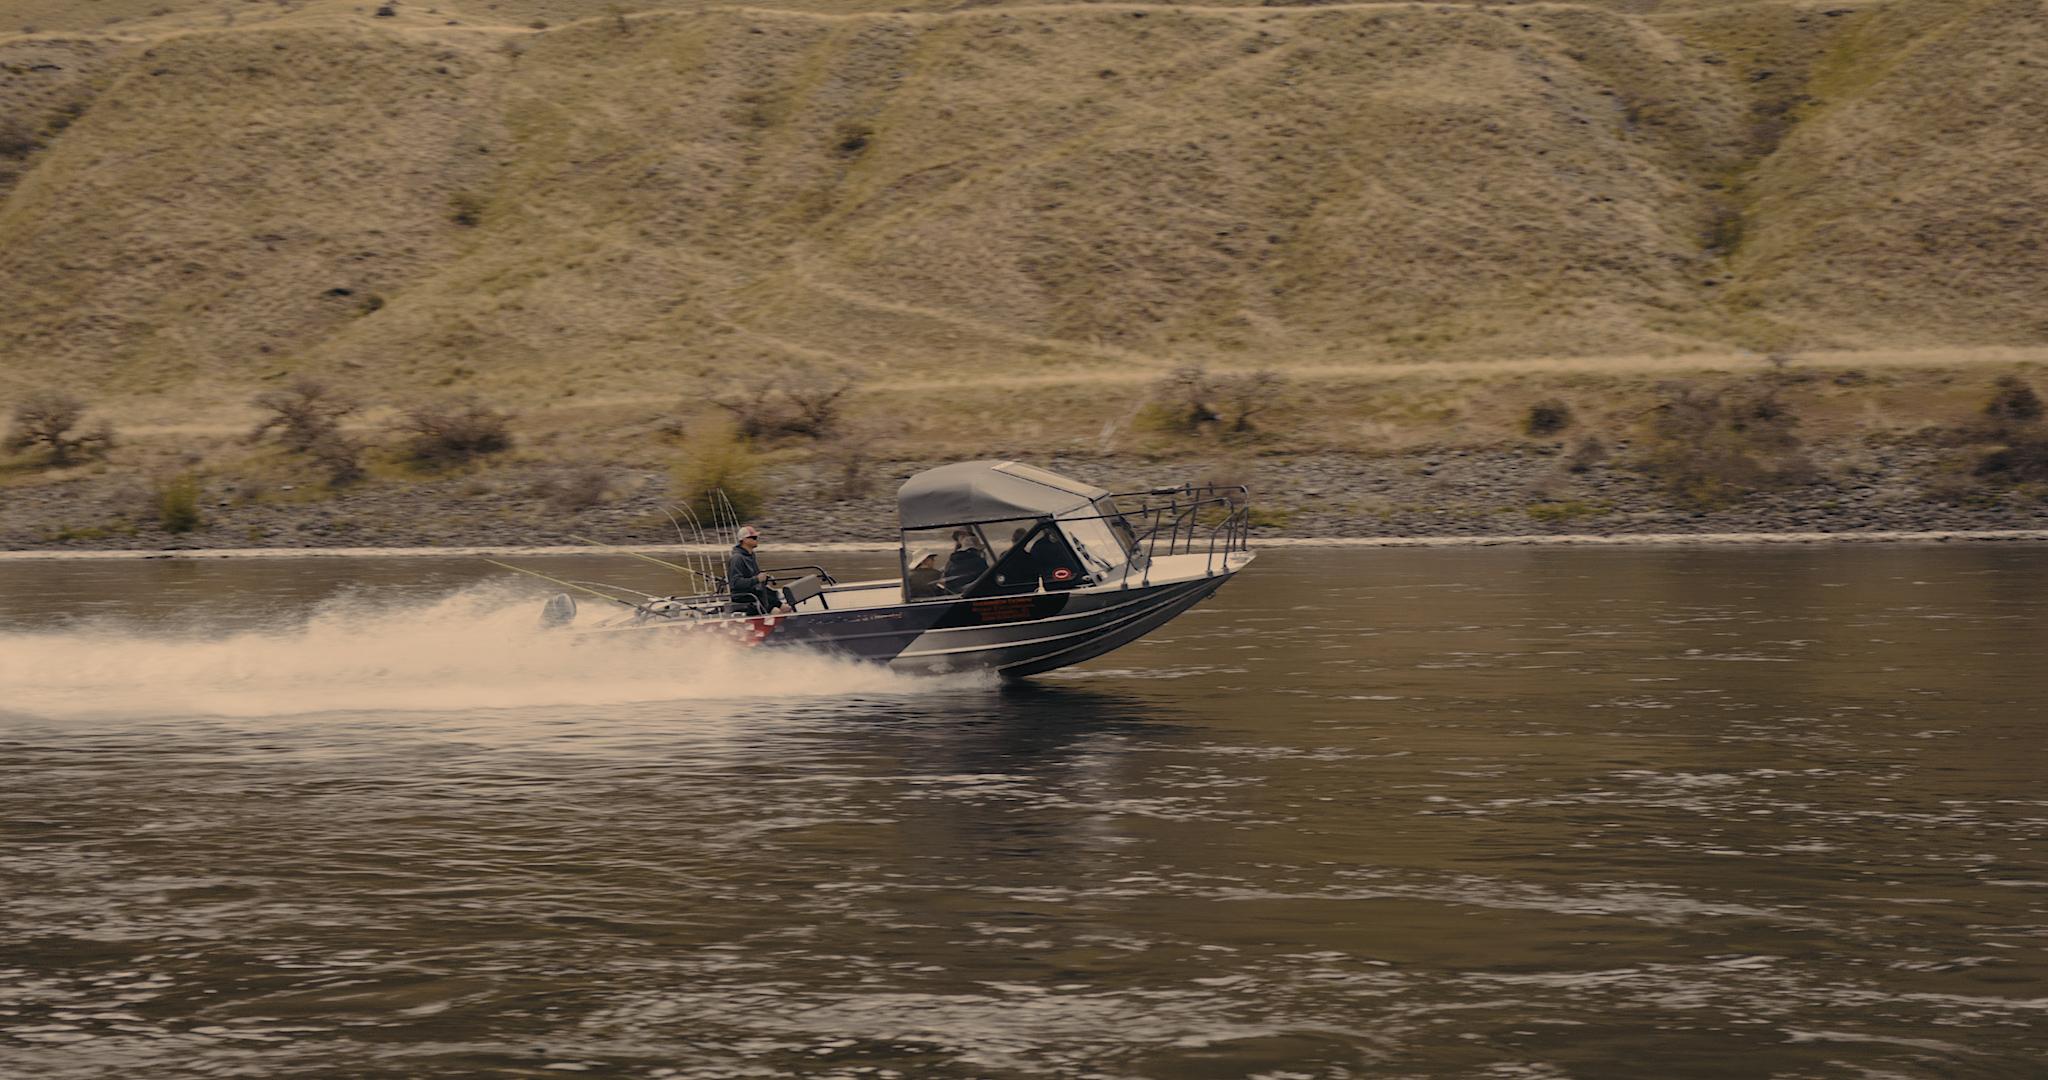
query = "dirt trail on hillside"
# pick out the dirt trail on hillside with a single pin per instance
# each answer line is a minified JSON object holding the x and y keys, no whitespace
{"x":998,"y":10}
{"x":1601,"y":365}
{"x":1926,"y":359}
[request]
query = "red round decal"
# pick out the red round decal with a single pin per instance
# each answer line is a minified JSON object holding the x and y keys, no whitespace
{"x":1062,"y":574}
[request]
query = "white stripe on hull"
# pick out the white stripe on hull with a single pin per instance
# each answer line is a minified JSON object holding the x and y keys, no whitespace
{"x":1152,"y":611}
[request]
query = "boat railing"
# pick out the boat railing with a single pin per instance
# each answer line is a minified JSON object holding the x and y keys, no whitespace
{"x":726,"y":603}
{"x":777,"y":571}
{"x":1211,"y":520}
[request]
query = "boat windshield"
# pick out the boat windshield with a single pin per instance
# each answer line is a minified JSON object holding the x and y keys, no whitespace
{"x":1126,"y":536}
{"x":994,"y":558}
{"x":1097,"y":542}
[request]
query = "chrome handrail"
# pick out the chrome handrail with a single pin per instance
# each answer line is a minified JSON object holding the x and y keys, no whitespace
{"x":1177,"y":526}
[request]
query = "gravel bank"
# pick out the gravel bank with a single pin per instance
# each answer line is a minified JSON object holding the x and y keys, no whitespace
{"x":1463,"y":494}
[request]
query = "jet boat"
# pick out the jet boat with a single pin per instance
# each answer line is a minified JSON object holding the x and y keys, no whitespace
{"x":1005,"y":567}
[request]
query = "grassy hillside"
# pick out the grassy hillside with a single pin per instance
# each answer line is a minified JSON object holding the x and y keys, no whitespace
{"x":538,"y":197}
{"x":1908,"y":200}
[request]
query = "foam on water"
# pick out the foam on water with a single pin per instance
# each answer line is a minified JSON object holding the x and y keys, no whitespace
{"x":476,"y":649}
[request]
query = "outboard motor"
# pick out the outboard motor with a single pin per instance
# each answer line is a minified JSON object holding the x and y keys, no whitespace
{"x":560,"y":610}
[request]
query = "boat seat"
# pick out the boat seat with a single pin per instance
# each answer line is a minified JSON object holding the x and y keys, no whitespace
{"x":802,"y":589}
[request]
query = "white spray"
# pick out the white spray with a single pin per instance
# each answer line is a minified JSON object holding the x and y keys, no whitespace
{"x":477,"y":649}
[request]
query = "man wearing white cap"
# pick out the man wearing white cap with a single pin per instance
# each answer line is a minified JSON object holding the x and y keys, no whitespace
{"x":743,"y":578}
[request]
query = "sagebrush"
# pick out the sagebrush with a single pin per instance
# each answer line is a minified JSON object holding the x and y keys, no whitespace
{"x":1190,"y":400}
{"x":577,"y":488}
{"x":788,"y":401}
{"x":2014,"y":416}
{"x":1712,"y":446}
{"x":448,"y":433}
{"x":49,"y":418}
{"x":303,"y":413}
{"x":1547,"y":417}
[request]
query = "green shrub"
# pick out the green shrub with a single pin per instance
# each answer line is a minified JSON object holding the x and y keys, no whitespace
{"x":1159,"y":417}
{"x":719,"y":464}
{"x":177,"y":503}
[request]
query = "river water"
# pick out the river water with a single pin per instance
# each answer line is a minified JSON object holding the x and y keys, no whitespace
{"x":1505,"y":812}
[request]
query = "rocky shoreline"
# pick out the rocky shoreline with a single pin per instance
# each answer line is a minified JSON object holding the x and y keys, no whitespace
{"x":1485,"y":494}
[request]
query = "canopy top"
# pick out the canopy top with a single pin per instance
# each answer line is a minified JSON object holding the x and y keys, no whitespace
{"x":972,"y":491}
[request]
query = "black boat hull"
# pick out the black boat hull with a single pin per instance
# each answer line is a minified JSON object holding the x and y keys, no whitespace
{"x":1014,"y":636}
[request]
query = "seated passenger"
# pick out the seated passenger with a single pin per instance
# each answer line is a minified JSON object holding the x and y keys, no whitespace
{"x":967,"y":563}
{"x":922,"y":582}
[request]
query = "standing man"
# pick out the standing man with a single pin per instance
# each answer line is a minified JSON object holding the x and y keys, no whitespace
{"x":743,"y":577}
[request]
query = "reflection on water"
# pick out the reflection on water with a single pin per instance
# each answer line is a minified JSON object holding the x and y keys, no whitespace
{"x":1503,"y":812}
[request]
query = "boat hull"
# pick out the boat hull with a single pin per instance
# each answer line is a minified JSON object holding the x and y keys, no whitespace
{"x":1014,"y":636}
{"x":1090,"y":625}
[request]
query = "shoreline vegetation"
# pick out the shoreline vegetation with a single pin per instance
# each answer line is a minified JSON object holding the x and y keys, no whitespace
{"x":2015,"y":536}
{"x":1776,"y":445}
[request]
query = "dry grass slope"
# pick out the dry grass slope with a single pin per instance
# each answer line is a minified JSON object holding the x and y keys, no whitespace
{"x":1911,"y":200}
{"x":613,"y":204}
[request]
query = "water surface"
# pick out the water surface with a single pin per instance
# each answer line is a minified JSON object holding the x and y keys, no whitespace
{"x":1483,"y":812}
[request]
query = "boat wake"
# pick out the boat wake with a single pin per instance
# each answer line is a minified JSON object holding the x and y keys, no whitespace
{"x":476,"y":649}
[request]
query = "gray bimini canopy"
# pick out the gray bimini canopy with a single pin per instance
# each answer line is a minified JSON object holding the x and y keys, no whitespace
{"x":972,"y":491}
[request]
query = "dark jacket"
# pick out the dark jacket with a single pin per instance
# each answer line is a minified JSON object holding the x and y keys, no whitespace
{"x":743,"y":573}
{"x":963,"y":567}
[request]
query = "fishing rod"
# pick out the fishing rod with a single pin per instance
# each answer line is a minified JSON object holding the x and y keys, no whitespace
{"x":634,"y":554}
{"x":728,"y":513}
{"x":683,"y":540}
{"x":565,"y":584}
{"x":697,"y":558}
